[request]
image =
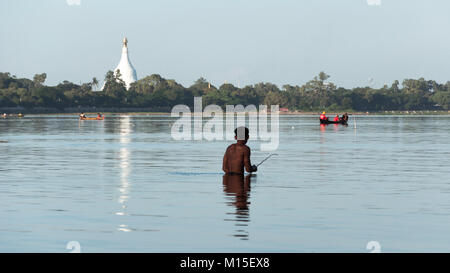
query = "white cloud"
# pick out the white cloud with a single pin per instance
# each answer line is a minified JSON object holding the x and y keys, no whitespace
{"x":73,"y":2}
{"x":373,"y":2}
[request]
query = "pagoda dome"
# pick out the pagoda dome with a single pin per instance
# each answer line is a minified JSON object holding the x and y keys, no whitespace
{"x":127,"y":71}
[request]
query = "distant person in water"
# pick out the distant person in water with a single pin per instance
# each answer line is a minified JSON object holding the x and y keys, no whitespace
{"x":237,"y":156}
{"x":82,"y":116}
{"x":4,"y":115}
{"x":323,"y":116}
{"x":99,"y":116}
{"x":345,"y":117}
{"x":336,"y":118}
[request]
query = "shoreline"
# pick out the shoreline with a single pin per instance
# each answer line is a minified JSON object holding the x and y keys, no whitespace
{"x":130,"y":113}
{"x":14,"y":111}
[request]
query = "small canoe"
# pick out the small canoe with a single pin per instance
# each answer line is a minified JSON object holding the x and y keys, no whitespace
{"x":102,"y":118}
{"x":343,"y":122}
{"x":14,"y":115}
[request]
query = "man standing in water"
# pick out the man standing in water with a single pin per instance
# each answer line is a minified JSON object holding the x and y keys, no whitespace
{"x":237,"y":155}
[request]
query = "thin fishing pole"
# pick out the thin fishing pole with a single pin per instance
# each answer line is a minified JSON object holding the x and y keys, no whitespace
{"x":265,"y":159}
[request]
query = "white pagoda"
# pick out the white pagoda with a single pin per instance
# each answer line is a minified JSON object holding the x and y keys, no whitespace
{"x":127,"y":71}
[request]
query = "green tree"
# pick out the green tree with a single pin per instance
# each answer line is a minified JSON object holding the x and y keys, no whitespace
{"x":39,"y":79}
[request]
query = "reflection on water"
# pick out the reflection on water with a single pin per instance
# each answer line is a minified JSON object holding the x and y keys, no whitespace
{"x":237,"y":192}
{"x":124,"y":156}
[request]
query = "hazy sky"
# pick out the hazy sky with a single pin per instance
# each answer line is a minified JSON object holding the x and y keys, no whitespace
{"x":239,"y":41}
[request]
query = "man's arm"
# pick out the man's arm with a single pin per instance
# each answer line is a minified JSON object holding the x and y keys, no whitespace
{"x":225,"y":162}
{"x":248,"y":166}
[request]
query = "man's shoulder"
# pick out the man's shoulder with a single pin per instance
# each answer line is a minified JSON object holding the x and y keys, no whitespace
{"x":239,"y":146}
{"x":244,"y":147}
{"x":230,"y":147}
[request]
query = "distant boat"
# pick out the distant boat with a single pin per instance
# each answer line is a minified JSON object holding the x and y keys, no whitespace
{"x":20,"y":115}
{"x":97,"y":118}
{"x":343,"y":122}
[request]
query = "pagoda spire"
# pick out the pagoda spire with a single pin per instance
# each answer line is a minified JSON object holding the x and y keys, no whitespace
{"x":127,"y":71}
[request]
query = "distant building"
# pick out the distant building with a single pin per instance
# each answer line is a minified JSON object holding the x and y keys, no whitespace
{"x":127,"y":71}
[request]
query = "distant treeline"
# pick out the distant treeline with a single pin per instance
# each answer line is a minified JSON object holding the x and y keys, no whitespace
{"x":155,"y":92}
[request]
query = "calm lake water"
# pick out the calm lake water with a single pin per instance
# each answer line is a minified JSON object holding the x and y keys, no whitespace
{"x":124,"y":185}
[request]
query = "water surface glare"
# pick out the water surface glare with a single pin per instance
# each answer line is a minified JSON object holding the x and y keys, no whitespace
{"x":124,"y":185}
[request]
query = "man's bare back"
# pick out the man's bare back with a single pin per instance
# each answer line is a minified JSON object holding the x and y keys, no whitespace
{"x":237,"y":157}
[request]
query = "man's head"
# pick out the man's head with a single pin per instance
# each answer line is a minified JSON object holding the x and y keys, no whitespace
{"x":323,"y":113}
{"x":241,"y":134}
